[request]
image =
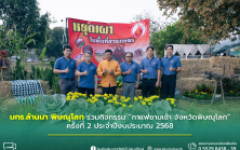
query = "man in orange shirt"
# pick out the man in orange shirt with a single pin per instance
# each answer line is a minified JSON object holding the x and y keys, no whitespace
{"x":109,"y":70}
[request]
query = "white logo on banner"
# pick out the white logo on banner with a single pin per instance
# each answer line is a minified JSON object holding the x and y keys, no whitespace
{"x":93,"y":147}
{"x":9,"y":146}
{"x":139,"y":30}
{"x":192,"y":146}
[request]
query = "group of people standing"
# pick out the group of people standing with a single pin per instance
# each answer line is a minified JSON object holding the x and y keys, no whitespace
{"x":155,"y":73}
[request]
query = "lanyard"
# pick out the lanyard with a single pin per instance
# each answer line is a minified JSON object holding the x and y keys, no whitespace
{"x":149,"y":63}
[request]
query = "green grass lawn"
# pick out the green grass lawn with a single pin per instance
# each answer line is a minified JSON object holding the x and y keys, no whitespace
{"x":232,"y":107}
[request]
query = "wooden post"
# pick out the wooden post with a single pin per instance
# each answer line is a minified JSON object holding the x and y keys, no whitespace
{"x":222,"y":93}
{"x":215,"y":90}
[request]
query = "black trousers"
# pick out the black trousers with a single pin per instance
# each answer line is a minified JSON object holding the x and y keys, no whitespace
{"x":67,"y":86}
{"x":109,"y":90}
{"x":148,"y":87}
{"x":168,"y":86}
{"x":83,"y":90}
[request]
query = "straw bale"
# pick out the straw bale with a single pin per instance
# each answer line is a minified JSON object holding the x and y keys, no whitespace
{"x":192,"y":63}
{"x":187,"y":73}
{"x":6,"y":89}
{"x":189,"y":84}
{"x":138,"y":92}
{"x":220,"y":70}
{"x":7,"y":72}
{"x":221,"y":61}
{"x":45,"y":86}
{"x":98,"y":91}
{"x":204,"y":63}
{"x":119,"y":91}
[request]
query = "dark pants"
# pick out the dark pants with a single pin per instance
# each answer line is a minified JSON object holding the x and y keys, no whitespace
{"x":148,"y":87}
{"x":109,"y":90}
{"x":67,"y":86}
{"x":83,"y":90}
{"x":168,"y":86}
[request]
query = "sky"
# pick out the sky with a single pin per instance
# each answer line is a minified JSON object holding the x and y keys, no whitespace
{"x":115,"y":11}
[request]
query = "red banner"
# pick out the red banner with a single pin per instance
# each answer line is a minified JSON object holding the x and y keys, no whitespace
{"x":97,"y":37}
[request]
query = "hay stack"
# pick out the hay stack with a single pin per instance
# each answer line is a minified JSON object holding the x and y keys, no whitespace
{"x":7,"y":72}
{"x":190,"y":64}
{"x":138,"y":92}
{"x":45,"y":86}
{"x":187,"y":73}
{"x":187,"y":80}
{"x":189,"y":84}
{"x":238,"y":62}
{"x":6,"y":89}
{"x":98,"y":91}
{"x":119,"y":91}
{"x":221,"y":61}
{"x":204,"y":63}
{"x":220,"y":70}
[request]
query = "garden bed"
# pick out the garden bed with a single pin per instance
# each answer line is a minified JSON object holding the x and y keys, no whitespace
{"x":79,"y":103}
{"x":118,"y":91}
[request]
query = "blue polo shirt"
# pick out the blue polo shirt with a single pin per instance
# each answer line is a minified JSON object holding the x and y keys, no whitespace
{"x":87,"y":81}
{"x":166,"y":63}
{"x":62,"y":63}
{"x":135,"y":69}
{"x":152,"y":66}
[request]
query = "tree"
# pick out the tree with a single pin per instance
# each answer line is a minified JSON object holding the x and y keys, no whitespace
{"x":174,"y":34}
{"x":214,"y":19}
{"x":55,"y":48}
{"x":3,"y":39}
{"x":25,"y":15}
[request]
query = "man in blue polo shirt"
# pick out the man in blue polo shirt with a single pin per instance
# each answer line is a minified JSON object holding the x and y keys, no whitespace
{"x":170,"y":65}
{"x":131,"y":73}
{"x":65,"y":66}
{"x":88,"y":74}
{"x":150,"y":67}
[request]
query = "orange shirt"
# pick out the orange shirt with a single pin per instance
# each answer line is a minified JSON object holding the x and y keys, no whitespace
{"x":109,"y":79}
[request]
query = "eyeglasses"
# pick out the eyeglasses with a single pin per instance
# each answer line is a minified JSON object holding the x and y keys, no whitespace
{"x":128,"y":56}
